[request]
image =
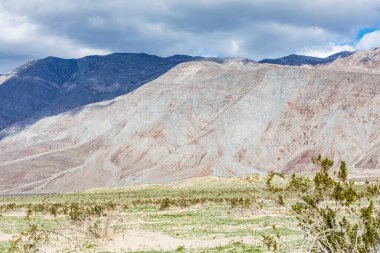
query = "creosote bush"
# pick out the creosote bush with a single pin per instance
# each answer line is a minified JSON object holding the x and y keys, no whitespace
{"x":333,"y":215}
{"x":272,"y":241}
{"x":165,"y":204}
{"x":31,"y":239}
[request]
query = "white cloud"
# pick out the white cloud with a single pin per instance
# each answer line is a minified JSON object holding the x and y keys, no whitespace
{"x":326,"y":50}
{"x":368,"y":41}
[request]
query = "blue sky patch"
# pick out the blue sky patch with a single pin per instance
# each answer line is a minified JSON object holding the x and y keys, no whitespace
{"x":363,"y":32}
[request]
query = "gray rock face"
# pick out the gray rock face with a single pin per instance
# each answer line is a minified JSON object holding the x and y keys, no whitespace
{"x":205,"y":118}
{"x":298,"y":60}
{"x":52,"y":85}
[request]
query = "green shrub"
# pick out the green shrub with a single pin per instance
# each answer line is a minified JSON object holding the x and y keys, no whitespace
{"x":331,"y":214}
{"x":165,"y":204}
{"x":31,"y":239}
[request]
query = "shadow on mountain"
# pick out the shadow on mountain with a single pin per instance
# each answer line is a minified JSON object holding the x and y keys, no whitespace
{"x":51,"y":86}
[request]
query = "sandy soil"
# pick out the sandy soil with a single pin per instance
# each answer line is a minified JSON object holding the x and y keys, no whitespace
{"x":5,"y":237}
{"x":144,"y":240}
{"x":137,"y":239}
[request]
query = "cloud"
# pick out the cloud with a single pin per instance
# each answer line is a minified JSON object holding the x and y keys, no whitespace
{"x":326,"y":50}
{"x":247,"y":28}
{"x":23,"y":40}
{"x":367,"y":41}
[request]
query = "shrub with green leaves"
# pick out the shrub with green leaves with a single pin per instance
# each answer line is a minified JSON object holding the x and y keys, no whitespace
{"x":165,"y":204}
{"x":29,"y":240}
{"x":333,"y":214}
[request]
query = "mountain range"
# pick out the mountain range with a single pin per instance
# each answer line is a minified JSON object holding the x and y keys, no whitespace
{"x":53,"y":85}
{"x":190,"y":117}
{"x":298,"y":60}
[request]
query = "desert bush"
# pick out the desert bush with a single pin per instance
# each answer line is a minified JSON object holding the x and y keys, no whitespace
{"x":251,"y":178}
{"x":272,"y":241}
{"x":333,"y":215}
{"x":183,"y":202}
{"x":101,"y":228}
{"x":125,"y":206}
{"x":95,"y":221}
{"x":9,"y":207}
{"x":55,"y":209}
{"x":78,"y":212}
{"x":240,"y":202}
{"x":298,"y":183}
{"x":30,"y":240}
{"x":74,"y":212}
{"x":270,"y":178}
{"x":165,"y":204}
{"x":180,"y":248}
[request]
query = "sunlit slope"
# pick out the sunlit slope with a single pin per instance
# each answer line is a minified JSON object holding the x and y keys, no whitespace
{"x":202,"y":118}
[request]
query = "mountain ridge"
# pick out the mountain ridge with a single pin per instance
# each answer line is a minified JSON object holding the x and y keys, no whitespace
{"x":53,"y":85}
{"x":299,"y":60}
{"x":362,"y":61}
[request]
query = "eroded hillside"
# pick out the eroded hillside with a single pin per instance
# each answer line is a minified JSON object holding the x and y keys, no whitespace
{"x":202,"y":118}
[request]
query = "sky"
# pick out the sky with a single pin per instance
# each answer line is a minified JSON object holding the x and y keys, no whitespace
{"x":255,"y":29}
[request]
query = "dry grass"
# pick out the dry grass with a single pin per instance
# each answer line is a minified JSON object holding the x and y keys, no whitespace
{"x":199,"y":215}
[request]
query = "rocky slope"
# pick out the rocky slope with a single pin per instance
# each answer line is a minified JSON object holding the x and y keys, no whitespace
{"x":362,"y":61}
{"x":298,"y":60}
{"x":53,"y":85}
{"x":202,"y":118}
